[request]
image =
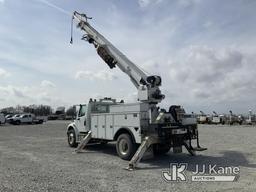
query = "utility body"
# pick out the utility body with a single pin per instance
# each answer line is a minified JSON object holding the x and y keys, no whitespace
{"x":135,"y":127}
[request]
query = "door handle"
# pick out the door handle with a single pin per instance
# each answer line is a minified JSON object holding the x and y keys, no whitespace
{"x":78,"y":118}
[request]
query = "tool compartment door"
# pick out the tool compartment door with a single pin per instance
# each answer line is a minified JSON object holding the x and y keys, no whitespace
{"x":94,"y":126}
{"x":102,"y":126}
{"x":109,"y":127}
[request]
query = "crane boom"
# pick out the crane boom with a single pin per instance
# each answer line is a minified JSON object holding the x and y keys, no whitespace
{"x":147,"y":86}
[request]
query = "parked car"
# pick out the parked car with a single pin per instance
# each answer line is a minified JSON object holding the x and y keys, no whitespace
{"x":2,"y":119}
{"x":8,"y":118}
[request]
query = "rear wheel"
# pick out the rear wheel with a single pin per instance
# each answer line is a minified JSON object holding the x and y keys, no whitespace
{"x":72,"y":138}
{"x":125,"y":147}
{"x":17,"y":122}
{"x":161,"y":149}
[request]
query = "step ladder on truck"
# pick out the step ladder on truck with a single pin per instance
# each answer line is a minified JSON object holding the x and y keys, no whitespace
{"x":135,"y":127}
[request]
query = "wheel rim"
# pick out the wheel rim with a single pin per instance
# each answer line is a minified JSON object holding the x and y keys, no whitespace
{"x":71,"y":138}
{"x":123,"y":147}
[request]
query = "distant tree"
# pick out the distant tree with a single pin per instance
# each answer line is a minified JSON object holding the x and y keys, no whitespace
{"x":39,"y":110}
{"x":71,"y":111}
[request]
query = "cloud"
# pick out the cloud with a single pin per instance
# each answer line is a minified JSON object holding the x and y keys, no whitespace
{"x":10,"y":91}
{"x":2,"y":1}
{"x":214,"y":76}
{"x":46,"y":83}
{"x":101,"y":75}
{"x":146,"y":3}
{"x":205,"y":65}
{"x":188,"y":3}
{"x":11,"y":95}
{"x":18,"y":93}
{"x":4,"y":73}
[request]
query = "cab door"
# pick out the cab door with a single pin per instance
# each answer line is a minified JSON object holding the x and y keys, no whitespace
{"x":24,"y":119}
{"x":80,"y":120}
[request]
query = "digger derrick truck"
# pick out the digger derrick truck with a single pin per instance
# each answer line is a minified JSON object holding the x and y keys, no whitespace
{"x":136,"y":127}
{"x":217,"y":119}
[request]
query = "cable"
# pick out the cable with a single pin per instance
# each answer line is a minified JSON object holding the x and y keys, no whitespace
{"x":72,"y":24}
{"x":54,"y":6}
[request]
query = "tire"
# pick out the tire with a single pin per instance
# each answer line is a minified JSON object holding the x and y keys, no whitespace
{"x":125,"y":147}
{"x":17,"y":122}
{"x":161,"y":149}
{"x":72,"y":138}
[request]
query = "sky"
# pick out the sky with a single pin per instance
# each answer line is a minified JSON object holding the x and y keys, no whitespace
{"x":204,"y":50}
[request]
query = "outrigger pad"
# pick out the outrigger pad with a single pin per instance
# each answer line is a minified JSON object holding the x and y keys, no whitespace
{"x":199,"y":149}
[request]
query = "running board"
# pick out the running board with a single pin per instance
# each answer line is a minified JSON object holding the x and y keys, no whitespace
{"x":84,"y":142}
{"x":148,"y":141}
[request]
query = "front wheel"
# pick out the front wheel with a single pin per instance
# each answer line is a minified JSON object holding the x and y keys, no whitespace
{"x":125,"y":147}
{"x":72,"y":138}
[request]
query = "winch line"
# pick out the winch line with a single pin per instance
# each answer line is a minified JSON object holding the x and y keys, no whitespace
{"x":45,"y":2}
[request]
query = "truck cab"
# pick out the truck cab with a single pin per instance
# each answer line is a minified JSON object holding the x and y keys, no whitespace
{"x":82,"y":121}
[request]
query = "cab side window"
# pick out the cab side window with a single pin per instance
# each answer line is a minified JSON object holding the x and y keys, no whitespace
{"x":82,"y":111}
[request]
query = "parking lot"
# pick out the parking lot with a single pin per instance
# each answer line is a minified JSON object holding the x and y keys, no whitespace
{"x":37,"y":158}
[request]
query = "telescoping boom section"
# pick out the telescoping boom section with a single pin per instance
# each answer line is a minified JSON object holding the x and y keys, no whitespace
{"x":147,"y":86}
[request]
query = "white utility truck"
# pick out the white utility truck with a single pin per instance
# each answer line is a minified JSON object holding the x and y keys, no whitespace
{"x":135,"y":127}
{"x":2,"y":119}
{"x":217,"y":119}
{"x":251,"y":119}
{"x":25,"y":119}
{"x":232,"y":119}
{"x":203,"y":118}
